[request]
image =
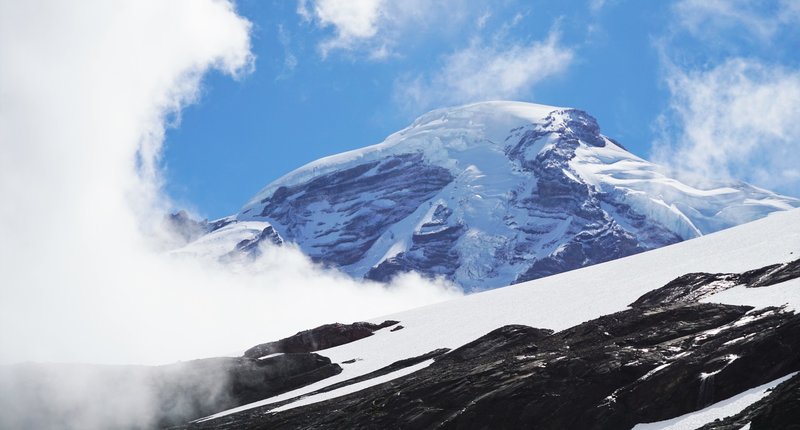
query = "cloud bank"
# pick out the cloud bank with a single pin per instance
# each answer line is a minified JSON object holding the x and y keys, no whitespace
{"x":85,"y":92}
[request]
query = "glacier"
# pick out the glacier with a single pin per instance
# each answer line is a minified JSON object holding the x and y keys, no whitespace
{"x":485,"y":195}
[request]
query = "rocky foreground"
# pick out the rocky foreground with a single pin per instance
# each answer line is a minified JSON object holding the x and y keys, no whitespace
{"x":670,"y":353}
{"x":666,"y":356}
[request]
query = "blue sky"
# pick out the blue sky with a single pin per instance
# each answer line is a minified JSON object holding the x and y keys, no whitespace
{"x":709,"y":88}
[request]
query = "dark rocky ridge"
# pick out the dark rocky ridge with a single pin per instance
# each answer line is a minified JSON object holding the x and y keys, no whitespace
{"x":645,"y":364}
{"x":316,"y":339}
{"x":692,"y":287}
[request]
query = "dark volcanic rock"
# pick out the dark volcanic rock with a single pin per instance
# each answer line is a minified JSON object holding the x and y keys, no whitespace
{"x":692,"y":287}
{"x":253,"y":380}
{"x":612,"y":372}
{"x":771,"y":275}
{"x":649,"y":363}
{"x":498,"y":340}
{"x":688,"y":288}
{"x":323,"y":337}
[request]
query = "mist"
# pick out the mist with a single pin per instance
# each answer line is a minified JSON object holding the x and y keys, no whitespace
{"x":86,"y":91}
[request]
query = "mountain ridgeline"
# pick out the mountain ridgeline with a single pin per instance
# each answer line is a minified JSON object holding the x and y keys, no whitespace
{"x":484,"y":195}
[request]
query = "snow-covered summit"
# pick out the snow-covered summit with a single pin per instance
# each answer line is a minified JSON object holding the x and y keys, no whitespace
{"x":489,"y":194}
{"x":490,"y":120}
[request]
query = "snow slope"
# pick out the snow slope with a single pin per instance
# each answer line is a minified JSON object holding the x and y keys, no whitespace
{"x":567,"y":299}
{"x":487,"y":195}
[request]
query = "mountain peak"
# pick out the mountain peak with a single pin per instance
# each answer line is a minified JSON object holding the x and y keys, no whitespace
{"x":486,"y":195}
{"x":488,"y":111}
{"x":454,"y":129}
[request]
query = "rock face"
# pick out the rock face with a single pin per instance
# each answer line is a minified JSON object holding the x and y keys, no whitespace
{"x":251,"y":247}
{"x":486,"y":195}
{"x":323,"y":337}
{"x":655,"y":361}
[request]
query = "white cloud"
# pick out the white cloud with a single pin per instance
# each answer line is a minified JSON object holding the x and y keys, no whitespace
{"x":85,"y":89}
{"x":481,"y":71}
{"x":353,"y":20}
{"x":735,"y":120}
{"x":376,"y":27}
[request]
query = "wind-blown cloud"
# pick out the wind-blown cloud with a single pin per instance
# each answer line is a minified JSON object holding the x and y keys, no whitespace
{"x":85,"y":92}
{"x":486,"y":71}
{"x":86,"y":89}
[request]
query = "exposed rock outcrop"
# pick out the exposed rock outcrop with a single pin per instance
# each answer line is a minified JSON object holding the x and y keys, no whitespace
{"x":316,"y":339}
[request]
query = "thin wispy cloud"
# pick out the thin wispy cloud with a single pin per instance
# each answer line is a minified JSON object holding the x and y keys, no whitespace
{"x":499,"y":69}
{"x":730,"y":116}
{"x":290,"y":60}
{"x":737,"y":120}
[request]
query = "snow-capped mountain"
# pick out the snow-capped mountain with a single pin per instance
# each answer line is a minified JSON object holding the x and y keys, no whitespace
{"x":486,"y":195}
